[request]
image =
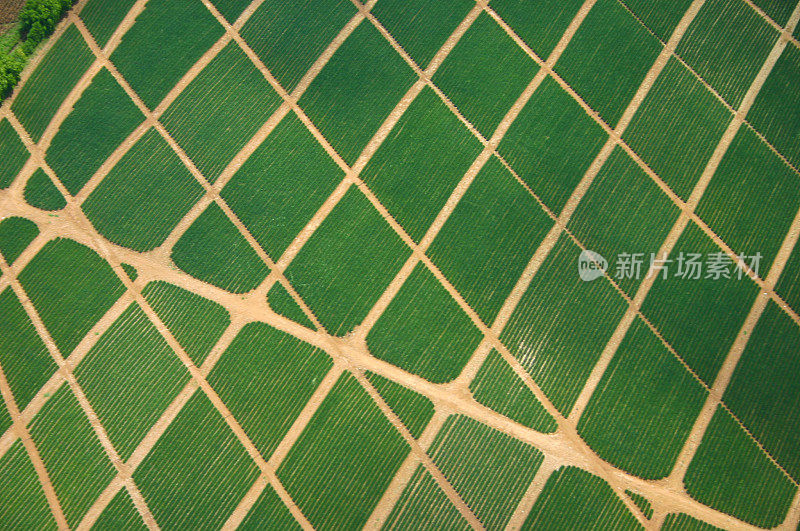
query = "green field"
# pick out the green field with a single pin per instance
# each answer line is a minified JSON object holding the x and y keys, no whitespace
{"x":381,"y":264}
{"x":643,"y":410}
{"x":558,"y":340}
{"x":149,"y":169}
{"x":229,"y":95}
{"x":489,"y":238}
{"x":100,"y":121}
{"x":71,"y":287}
{"x":60,"y":69}
{"x":343,"y":461}
{"x":608,"y":59}
{"x":730,"y":59}
{"x":489,"y":469}
{"x":212,"y":240}
{"x":130,"y":377}
{"x":13,"y":152}
{"x":731,"y":474}
{"x":41,"y":192}
{"x":275,"y":208}
{"x":411,"y":335}
{"x":265,"y":410}
{"x":15,"y":235}
{"x":575,"y":498}
{"x":153,"y":57}
{"x":485,"y":74}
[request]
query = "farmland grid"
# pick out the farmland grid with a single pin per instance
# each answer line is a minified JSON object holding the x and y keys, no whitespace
{"x":9,"y":274}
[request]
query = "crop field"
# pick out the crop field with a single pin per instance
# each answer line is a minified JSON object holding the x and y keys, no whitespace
{"x":402,"y":264}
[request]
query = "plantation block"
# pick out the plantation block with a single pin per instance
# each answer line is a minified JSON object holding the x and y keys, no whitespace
{"x":608,"y":58}
{"x":144,"y":196}
{"x":726,"y":45}
{"x":485,"y":74}
{"x":419,"y":164}
{"x":424,"y":331}
{"x":356,"y":90}
{"x":346,"y":265}
{"x":489,"y":238}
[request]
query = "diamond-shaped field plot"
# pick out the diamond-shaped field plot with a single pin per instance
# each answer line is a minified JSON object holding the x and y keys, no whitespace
{"x":562,"y":324}
{"x":608,"y":58}
{"x":764,"y":392}
{"x":539,"y":23}
{"x":485,"y":74}
{"x":221,"y":110}
{"x":130,"y":376}
{"x":730,"y":473}
{"x":660,"y":17}
{"x":644,"y":407}
{"x":752,"y":199}
{"x":608,"y":222}
{"x":144,"y":196}
{"x":551,"y":144}
{"x":12,"y":153}
{"x":102,"y":17}
{"x":195,"y":322}
{"x":677,"y":128}
{"x":265,"y":377}
{"x":39,"y":99}
{"x":200,"y":453}
{"x":289,"y":40}
{"x":283,"y":183}
{"x":213,"y":250}
{"x":343,"y":461}
{"x":424,"y":331}
{"x":726,"y":45}
{"x":776,"y":111}
{"x":419,"y":164}
{"x":72,"y":454}
{"x":26,"y":363}
{"x":421,"y":26}
{"x":591,"y":503}
{"x":489,"y":238}
{"x":356,"y":91}
{"x":154,"y":55}
{"x":699,"y":317}
{"x":489,"y":469}
{"x":24,"y":503}
{"x":497,"y":386}
{"x":71,"y":287}
{"x":346,"y":265}
{"x":99,"y":122}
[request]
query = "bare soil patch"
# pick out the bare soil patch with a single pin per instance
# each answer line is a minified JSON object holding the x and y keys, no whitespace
{"x":9,"y":10}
